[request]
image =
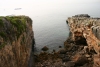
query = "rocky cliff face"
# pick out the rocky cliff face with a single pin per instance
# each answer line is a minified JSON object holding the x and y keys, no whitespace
{"x":85,"y":30}
{"x":16,"y":37}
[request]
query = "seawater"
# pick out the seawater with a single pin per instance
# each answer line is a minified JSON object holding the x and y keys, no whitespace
{"x":49,"y":20}
{"x":50,"y":31}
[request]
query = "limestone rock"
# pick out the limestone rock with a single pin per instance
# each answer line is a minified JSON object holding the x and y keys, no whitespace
{"x":82,"y":15}
{"x":96,"y":61}
{"x":87,"y":55}
{"x":16,"y":38}
{"x":85,"y":30}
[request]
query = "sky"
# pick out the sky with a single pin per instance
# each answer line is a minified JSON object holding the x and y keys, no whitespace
{"x":36,"y":7}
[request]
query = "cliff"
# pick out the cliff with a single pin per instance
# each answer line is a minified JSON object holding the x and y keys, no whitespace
{"x":85,"y":31}
{"x":16,"y":38}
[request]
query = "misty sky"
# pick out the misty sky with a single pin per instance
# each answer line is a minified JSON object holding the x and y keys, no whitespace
{"x":41,"y":7}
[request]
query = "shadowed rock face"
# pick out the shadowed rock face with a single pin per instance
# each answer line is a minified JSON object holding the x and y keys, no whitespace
{"x":86,"y":30}
{"x":16,"y":38}
{"x":82,"y":15}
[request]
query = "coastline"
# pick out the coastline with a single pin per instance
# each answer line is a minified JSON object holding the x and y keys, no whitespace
{"x":78,"y":50}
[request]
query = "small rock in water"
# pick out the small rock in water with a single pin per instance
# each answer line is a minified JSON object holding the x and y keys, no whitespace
{"x":54,"y":50}
{"x":60,"y":46}
{"x":45,"y":48}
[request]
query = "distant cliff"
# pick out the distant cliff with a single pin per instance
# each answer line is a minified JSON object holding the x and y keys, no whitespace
{"x":85,"y":30}
{"x":16,"y":38}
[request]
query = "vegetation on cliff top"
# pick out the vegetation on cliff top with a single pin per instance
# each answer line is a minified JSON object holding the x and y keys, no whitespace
{"x":12,"y":27}
{"x":1,"y":22}
{"x":18,"y":22}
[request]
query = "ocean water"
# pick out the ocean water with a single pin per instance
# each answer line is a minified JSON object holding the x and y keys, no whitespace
{"x":50,"y":31}
{"x":50,"y":28}
{"x":49,"y":17}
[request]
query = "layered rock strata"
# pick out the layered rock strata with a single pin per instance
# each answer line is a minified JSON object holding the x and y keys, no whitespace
{"x":16,"y":38}
{"x":85,"y":30}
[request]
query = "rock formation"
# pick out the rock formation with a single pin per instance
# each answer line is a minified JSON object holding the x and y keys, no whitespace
{"x":16,"y":38}
{"x":85,"y":31}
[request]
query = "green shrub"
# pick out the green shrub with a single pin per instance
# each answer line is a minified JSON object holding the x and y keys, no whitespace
{"x":2,"y":34}
{"x":19,"y":22}
{"x":2,"y":45}
{"x":1,"y":22}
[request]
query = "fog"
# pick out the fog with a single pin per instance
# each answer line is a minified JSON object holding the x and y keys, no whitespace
{"x":45,"y":7}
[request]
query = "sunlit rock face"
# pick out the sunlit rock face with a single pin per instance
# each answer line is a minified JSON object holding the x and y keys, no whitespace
{"x":16,"y":37}
{"x":85,"y":30}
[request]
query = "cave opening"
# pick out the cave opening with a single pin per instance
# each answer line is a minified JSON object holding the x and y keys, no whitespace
{"x":80,"y":40}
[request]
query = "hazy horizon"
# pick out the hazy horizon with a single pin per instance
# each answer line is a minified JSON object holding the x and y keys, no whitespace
{"x":41,"y":7}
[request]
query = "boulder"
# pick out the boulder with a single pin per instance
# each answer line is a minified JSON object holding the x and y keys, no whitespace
{"x":62,"y":51}
{"x":45,"y":48}
{"x":81,"y":61}
{"x":60,"y":46}
{"x":96,"y":61}
{"x":70,"y":64}
{"x":66,"y":59}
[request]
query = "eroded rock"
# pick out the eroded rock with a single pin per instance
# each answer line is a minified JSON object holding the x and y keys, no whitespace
{"x":16,"y":36}
{"x":85,"y":31}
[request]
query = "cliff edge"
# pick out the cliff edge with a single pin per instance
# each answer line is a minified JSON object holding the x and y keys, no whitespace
{"x":16,"y":38}
{"x":84,"y":33}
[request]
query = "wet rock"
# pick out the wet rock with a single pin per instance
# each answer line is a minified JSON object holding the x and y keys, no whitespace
{"x":45,"y":48}
{"x":53,"y":51}
{"x":87,"y":65}
{"x":68,"y":47}
{"x":62,"y":51}
{"x":66,"y":59}
{"x":75,"y":48}
{"x":60,"y":46}
{"x":81,"y":61}
{"x":70,"y":64}
{"x":62,"y":55}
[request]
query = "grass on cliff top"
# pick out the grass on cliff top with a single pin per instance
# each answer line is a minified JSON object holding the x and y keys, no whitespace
{"x":18,"y":26}
{"x":19,"y":22}
{"x":1,"y":22}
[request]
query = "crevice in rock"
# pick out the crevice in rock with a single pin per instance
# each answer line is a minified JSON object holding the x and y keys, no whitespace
{"x":79,"y":40}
